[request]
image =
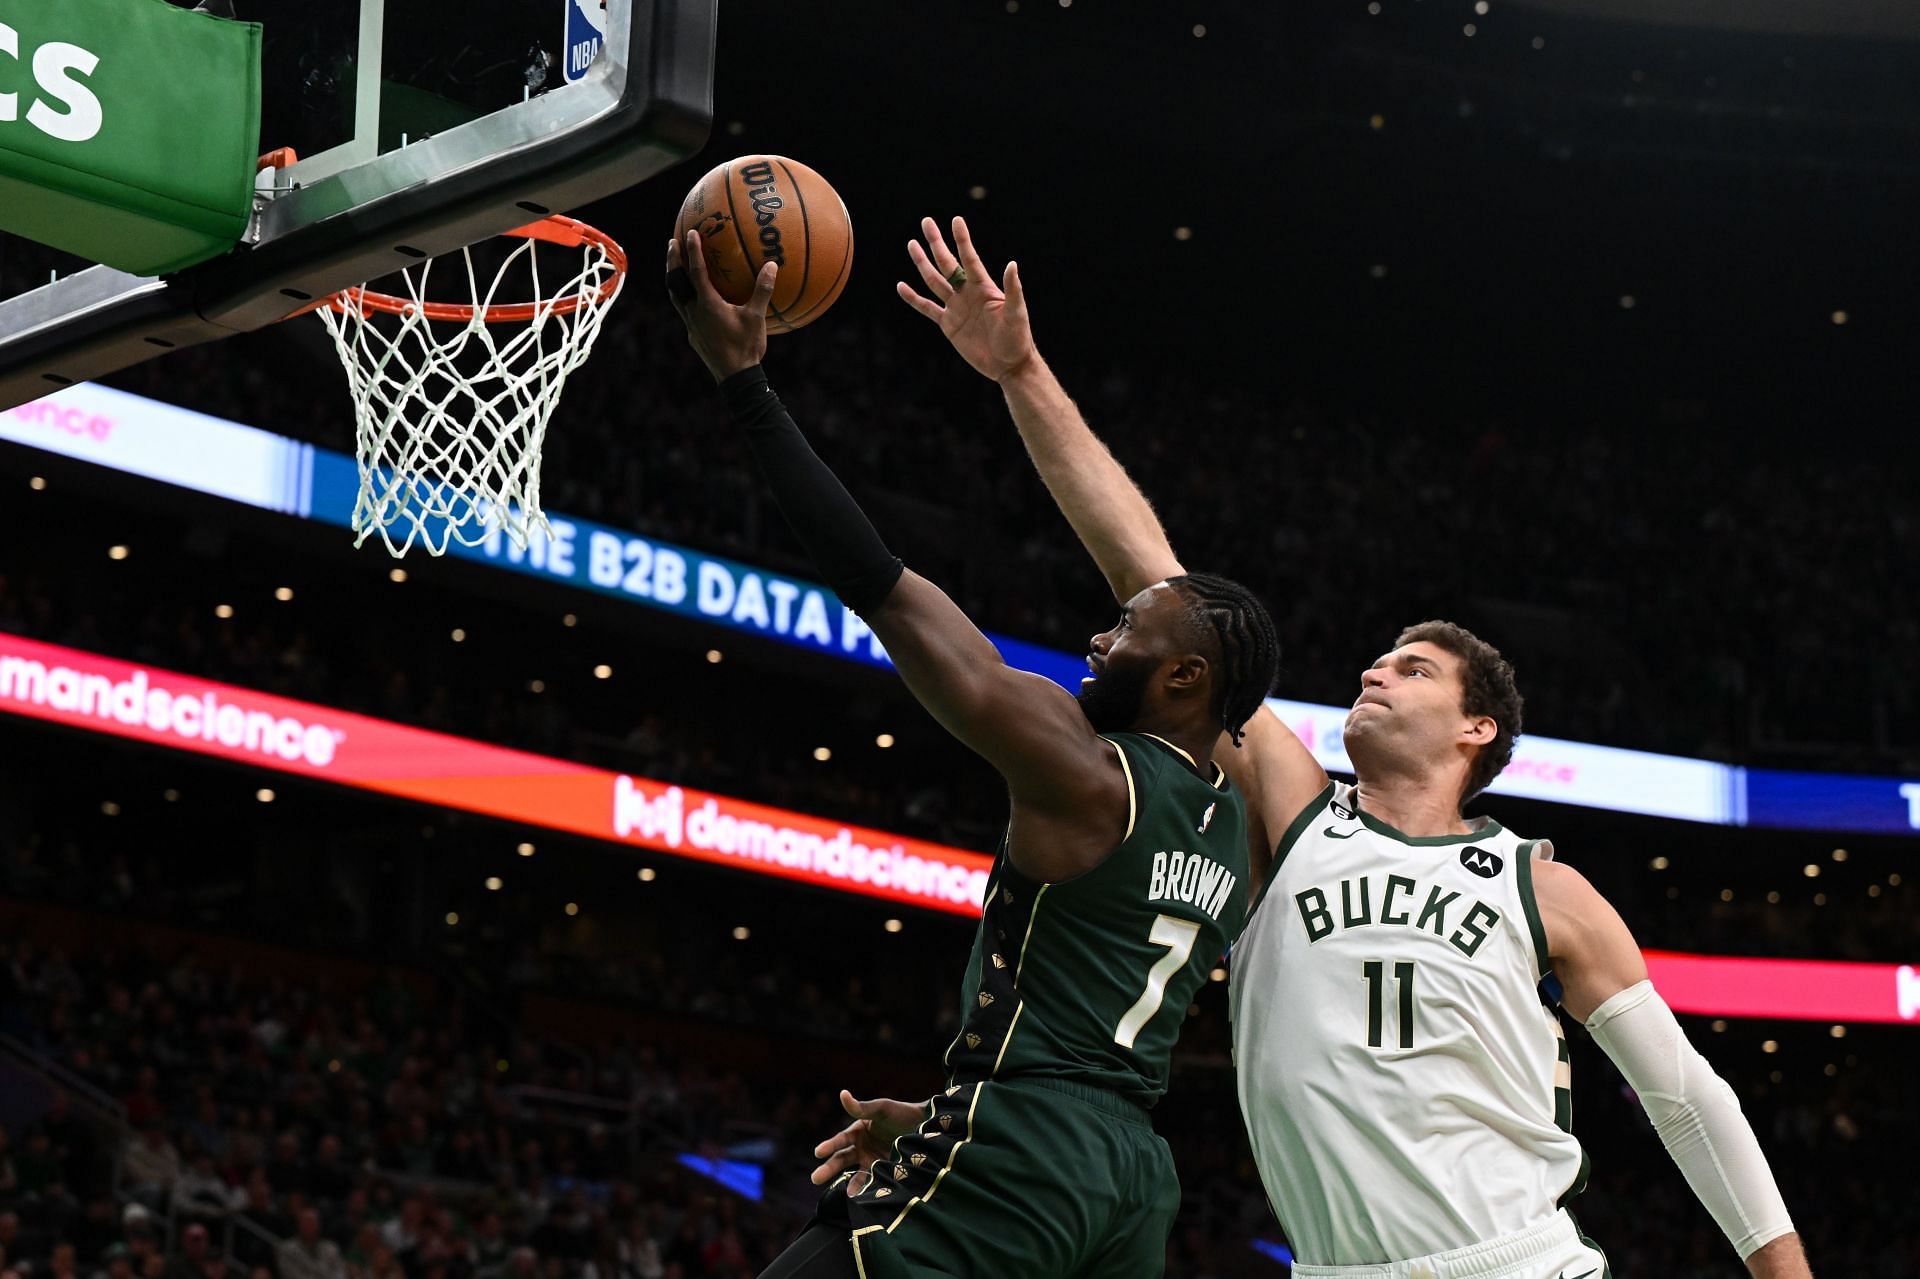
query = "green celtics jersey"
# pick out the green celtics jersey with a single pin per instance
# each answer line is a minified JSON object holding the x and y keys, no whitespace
{"x":1089,"y":979}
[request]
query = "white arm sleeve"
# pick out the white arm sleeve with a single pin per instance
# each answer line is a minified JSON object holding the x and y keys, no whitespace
{"x":1695,"y":1113}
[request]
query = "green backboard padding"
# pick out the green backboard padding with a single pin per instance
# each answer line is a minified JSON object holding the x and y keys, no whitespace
{"x":129,"y":130}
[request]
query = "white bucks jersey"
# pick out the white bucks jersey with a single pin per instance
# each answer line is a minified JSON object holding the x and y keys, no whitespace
{"x":1404,"y":1086}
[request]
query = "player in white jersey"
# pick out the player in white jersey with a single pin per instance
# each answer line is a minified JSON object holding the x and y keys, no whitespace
{"x":1403,"y":1083}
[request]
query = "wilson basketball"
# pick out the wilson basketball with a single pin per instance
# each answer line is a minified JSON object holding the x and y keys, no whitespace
{"x":762,"y":207}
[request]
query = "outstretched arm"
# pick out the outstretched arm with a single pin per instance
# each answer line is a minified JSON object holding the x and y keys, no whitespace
{"x":988,"y":326}
{"x":1698,"y":1119}
{"x":1069,"y":792}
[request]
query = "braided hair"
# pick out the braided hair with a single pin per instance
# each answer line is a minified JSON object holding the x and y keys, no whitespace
{"x":1237,"y":621}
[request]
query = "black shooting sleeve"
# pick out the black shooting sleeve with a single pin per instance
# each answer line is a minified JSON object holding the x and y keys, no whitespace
{"x":830,"y":524}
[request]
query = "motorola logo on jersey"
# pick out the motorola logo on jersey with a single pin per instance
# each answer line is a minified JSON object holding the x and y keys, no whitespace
{"x":1481,"y":862}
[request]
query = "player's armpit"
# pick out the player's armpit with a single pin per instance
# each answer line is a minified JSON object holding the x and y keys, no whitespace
{"x":1028,"y":727}
{"x":1278,"y":775}
{"x":1593,"y":952}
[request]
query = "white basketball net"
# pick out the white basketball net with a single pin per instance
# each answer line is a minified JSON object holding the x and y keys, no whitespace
{"x":452,"y":402}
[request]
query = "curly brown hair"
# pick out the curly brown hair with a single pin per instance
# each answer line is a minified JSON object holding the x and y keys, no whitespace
{"x":1486,"y":688}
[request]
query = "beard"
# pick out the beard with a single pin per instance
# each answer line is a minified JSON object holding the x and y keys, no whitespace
{"x":1112,"y":702}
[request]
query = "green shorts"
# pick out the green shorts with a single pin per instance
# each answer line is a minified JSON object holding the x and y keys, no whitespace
{"x":1016,"y":1179}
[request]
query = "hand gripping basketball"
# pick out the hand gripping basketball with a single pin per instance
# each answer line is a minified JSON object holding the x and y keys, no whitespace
{"x":727,"y":338}
{"x":986,"y":323}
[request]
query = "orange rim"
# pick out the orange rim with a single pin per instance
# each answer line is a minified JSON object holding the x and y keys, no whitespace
{"x":568,"y":233}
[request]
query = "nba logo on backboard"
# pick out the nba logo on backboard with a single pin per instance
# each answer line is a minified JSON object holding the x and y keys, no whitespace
{"x":586,"y":32}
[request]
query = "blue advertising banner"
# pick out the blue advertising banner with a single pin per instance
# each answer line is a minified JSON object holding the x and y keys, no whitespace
{"x":142,"y":437}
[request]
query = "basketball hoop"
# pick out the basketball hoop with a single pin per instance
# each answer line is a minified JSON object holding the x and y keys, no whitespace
{"x":451,"y":400}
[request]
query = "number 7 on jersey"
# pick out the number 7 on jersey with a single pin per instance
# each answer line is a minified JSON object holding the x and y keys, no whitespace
{"x":1178,"y":936}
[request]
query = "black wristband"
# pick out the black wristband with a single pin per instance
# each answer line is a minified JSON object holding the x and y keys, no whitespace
{"x":830,"y":524}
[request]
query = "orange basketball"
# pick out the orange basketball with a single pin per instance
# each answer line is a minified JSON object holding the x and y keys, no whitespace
{"x":767,"y":206}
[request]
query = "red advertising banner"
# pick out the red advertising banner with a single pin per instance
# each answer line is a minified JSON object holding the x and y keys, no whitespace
{"x":101,"y":694}
{"x":1789,"y":989}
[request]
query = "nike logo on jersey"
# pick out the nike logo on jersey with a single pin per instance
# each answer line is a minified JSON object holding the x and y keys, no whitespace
{"x":1342,"y":834}
{"x":1582,"y":1275}
{"x":1206,"y":819}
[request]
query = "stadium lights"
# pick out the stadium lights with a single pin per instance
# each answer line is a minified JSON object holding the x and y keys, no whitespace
{"x":570,"y":620}
{"x":37,"y":483}
{"x":976,"y":193}
{"x":396,"y":575}
{"x":264,"y":795}
{"x":170,"y":795}
{"x":493,"y":883}
{"x":1770,"y":1046}
{"x":1539,"y":42}
{"x":1469,"y":31}
{"x":648,"y":874}
{"x":525,"y":850}
{"x":1811,"y":870}
{"x":1839,"y":854}
{"x":1839,"y":317}
{"x":1480,"y":7}
{"x":223,"y":611}
{"x":453,"y":917}
{"x":1726,"y":894}
{"x":1660,"y":863}
{"x":1893,"y":880}
{"x":1199,"y":30}
{"x":1628,"y":302}
{"x":893,"y":925}
{"x":536,"y":686}
{"x":715,"y":657}
{"x":1719,"y":1026}
{"x":573,"y":908}
{"x":1837,"y":1031}
{"x":118,"y":552}
{"x":110,"y":808}
{"x":283,"y":593}
{"x":1873,"y":890}
{"x":1832,"y":1070}
{"x":884,"y":741}
{"x":459,"y":634}
{"x":741,"y":933}
{"x":1218,"y":974}
{"x":1773,"y":899}
{"x":1183,"y":233}
{"x":603,"y":671}
{"x":1819,"y":899}
{"x":822,"y":754}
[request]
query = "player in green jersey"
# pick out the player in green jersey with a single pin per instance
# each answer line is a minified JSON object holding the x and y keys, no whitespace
{"x":1403,"y":1087}
{"x":1121,"y":880}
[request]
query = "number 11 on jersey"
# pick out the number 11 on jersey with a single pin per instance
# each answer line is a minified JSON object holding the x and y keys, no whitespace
{"x":1375,"y":976}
